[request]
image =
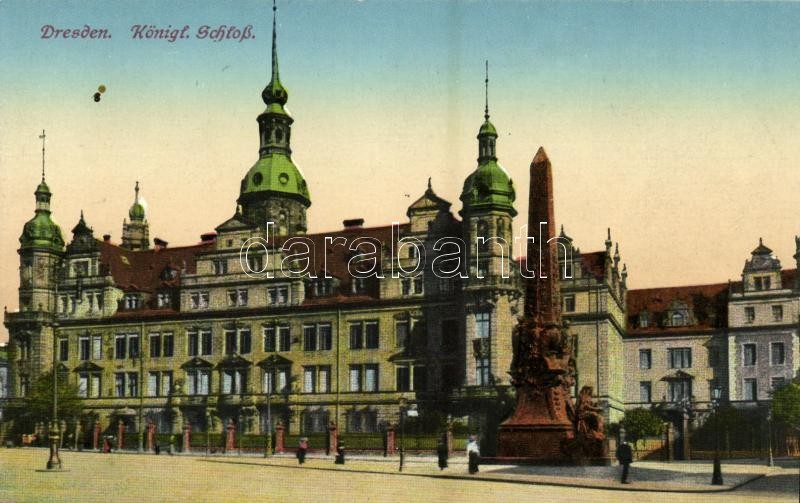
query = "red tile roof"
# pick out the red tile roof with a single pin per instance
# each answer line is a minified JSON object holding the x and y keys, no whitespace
{"x":707,"y":304}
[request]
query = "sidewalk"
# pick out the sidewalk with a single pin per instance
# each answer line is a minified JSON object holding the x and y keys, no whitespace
{"x":679,"y":477}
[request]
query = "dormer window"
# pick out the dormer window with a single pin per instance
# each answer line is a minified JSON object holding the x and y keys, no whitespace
{"x":81,"y":268}
{"x":237,"y":298}
{"x":164,"y":299}
{"x":278,"y":295}
{"x":198,"y":300}
{"x":322,"y":287}
{"x":644,"y":319}
{"x":677,"y":320}
{"x":762,"y":283}
{"x":131,"y":301}
{"x":360,"y":285}
{"x":220,"y":266}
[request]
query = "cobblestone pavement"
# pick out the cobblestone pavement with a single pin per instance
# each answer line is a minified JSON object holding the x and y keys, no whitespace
{"x":124,"y":477}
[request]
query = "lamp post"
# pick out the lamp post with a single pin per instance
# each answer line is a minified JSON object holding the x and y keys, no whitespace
{"x":770,"y":459}
{"x":716,"y":478}
{"x":54,"y":463}
{"x":402,"y":431}
{"x":208,"y":428}
{"x":268,"y":448}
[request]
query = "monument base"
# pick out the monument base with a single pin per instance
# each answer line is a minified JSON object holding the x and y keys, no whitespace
{"x":543,"y":443}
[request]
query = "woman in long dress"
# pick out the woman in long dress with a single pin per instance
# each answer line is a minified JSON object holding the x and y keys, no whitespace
{"x":473,"y":453}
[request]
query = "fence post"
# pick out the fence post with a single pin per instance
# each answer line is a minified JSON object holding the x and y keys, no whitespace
{"x":280,"y":438}
{"x":333,"y":438}
{"x":390,"y":440}
{"x":187,"y":435}
{"x":229,"y":439}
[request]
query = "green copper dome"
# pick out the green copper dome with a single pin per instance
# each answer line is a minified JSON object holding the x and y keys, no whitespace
{"x":42,"y":232}
{"x":487,"y":128}
{"x":275,"y":172}
{"x":43,"y":188}
{"x":136,"y":212}
{"x":489,"y":187}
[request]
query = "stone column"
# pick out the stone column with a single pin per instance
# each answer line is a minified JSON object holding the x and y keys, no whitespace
{"x":96,"y":436}
{"x":390,"y":440}
{"x":120,"y":434}
{"x":231,"y":436}
{"x":333,"y":437}
{"x":151,"y":433}
{"x":280,"y":438}
{"x":187,"y":438}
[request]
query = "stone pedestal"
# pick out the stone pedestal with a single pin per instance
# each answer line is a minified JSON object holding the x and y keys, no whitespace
{"x":151,"y":435}
{"x":187,"y":438}
{"x":280,"y":438}
{"x":333,"y":438}
{"x":391,"y":442}
{"x":120,"y":434}
{"x":96,"y":436}
{"x":230,"y":438}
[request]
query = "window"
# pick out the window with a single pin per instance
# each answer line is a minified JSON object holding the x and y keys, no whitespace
{"x":89,"y":384}
{"x":315,"y":421}
{"x":322,"y":287}
{"x":278,"y":295}
{"x":309,"y":337}
{"x":63,"y":349}
{"x":84,"y":348}
{"x":245,"y":341}
{"x":119,"y":384}
{"x":777,"y":313}
{"x":678,"y":320}
{"x":129,"y":301}
{"x":276,"y":338}
{"x":159,"y":383}
{"x":777,"y":353}
{"x":198,"y":300}
{"x":403,"y":375}
{"x":309,"y":379}
{"x":325,"y":339}
{"x":205,"y":342}
{"x":569,"y":303}
{"x":364,"y":335}
{"x":401,"y":333}
{"x":255,"y":262}
{"x":153,"y":379}
{"x":220,"y":266}
{"x":750,"y":389}
{"x":164,"y":299}
{"x":356,"y":335}
{"x":167,"y":344}
{"x":133,"y":345}
{"x":482,"y":374}
{"x":317,"y":337}
{"x":645,"y":359}
{"x":750,"y":314}
{"x":762,"y":282}
{"x":94,"y":385}
{"x":645,"y":391}
{"x":680,"y":390}
{"x":777,"y":382}
{"x":120,"y":348}
{"x":230,"y":341}
{"x":133,"y":384}
{"x":364,"y":378}
{"x":237,"y":298}
{"x":482,"y":324}
{"x":405,"y":285}
{"x":749,"y":354}
{"x":97,"y":347}
{"x":276,"y":379}
{"x":419,"y":285}
{"x":234,"y":381}
{"x":24,"y":385}
{"x":83,"y":385}
{"x":373,"y":335}
{"x":360,"y":285}
{"x":680,"y":358}
{"x":155,"y":345}
{"x":197,"y":381}
{"x":324,"y":381}
{"x":362,"y":421}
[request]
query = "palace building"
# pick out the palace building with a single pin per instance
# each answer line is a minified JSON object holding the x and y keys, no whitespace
{"x":189,"y":335}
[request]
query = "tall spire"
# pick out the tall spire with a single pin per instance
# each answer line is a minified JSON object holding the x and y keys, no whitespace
{"x":487,"y":135}
{"x":136,"y":189}
{"x":486,"y":82}
{"x":274,"y":41}
{"x":275,"y":93}
{"x":42,"y":137}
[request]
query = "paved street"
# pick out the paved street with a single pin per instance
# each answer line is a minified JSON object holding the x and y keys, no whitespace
{"x":128,"y":477}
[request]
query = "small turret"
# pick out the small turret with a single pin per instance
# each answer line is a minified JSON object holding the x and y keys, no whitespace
{"x":136,"y":233}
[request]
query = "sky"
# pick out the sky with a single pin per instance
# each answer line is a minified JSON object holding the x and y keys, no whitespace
{"x":674,"y":124}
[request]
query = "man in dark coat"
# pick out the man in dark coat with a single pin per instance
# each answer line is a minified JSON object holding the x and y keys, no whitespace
{"x":625,"y":458}
{"x":441,"y":452}
{"x":339,"y":454}
{"x":302,"y":448}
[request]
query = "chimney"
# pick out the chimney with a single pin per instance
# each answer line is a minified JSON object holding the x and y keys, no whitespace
{"x":208,"y":237}
{"x":160,"y":244}
{"x":106,"y":238}
{"x":353,"y":223}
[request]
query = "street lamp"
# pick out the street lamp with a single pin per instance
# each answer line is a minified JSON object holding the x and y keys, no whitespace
{"x":716,"y":478}
{"x":54,"y":463}
{"x":402,"y":431}
{"x":268,"y":448}
{"x":770,"y":460}
{"x":208,"y":428}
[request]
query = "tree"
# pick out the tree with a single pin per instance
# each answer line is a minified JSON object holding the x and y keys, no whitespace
{"x":640,"y":423}
{"x":786,"y":405}
{"x":37,"y":406}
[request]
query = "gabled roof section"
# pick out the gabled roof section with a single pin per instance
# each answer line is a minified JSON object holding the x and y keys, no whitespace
{"x":706,"y":303}
{"x":678,"y":375}
{"x":197,"y":362}
{"x":235,"y":223}
{"x":234,"y":361}
{"x":429,"y":201}
{"x":87,"y":367}
{"x":274,"y":361}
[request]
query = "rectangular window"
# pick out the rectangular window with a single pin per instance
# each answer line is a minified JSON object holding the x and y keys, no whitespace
{"x":63,"y":349}
{"x":155,"y":345}
{"x":309,"y":379}
{"x":403,"y":375}
{"x":97,"y":347}
{"x":324,"y":382}
{"x":482,"y":374}
{"x":406,"y":286}
{"x":275,"y":379}
{"x":680,"y":390}
{"x":482,"y":325}
{"x":220,"y":266}
{"x":230,"y":341}
{"x":284,"y":338}
{"x":645,"y":392}
{"x":371,"y":378}
{"x":94,"y":390}
{"x":401,"y":333}
{"x":356,"y":335}
{"x":198,"y":300}
{"x":777,"y":353}
{"x":119,"y":384}
{"x":205,"y":342}
{"x":167,"y":344}
{"x":645,"y":359}
{"x":198,"y":382}
{"x":119,"y":348}
{"x":419,"y":284}
{"x":84,"y":348}
{"x":372,"y":339}
{"x":749,"y":354}
{"x":193,"y":339}
{"x":233,"y":381}
{"x":164,"y":299}
{"x":680,"y":358}
{"x":278,"y":295}
{"x":133,"y":384}
{"x":355,"y":378}
{"x":245,"y":341}
{"x":133,"y":346}
{"x":166,"y":383}
{"x":777,"y":382}
{"x":325,"y":339}
{"x":569,"y":303}
{"x":270,"y":345}
{"x":777,"y":313}
{"x":750,"y":314}
{"x":750,"y":389}
{"x":83,"y":385}
{"x":152,"y":383}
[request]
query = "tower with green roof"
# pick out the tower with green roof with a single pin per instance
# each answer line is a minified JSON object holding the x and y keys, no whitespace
{"x":488,"y":210}
{"x":41,"y":249}
{"x":136,"y":233}
{"x":274,"y":189}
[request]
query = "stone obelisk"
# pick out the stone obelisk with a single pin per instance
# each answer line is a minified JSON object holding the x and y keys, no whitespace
{"x":541,"y":427}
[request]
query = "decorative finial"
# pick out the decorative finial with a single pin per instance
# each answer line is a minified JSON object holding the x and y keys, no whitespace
{"x":42,"y":137}
{"x":274,"y":40}
{"x":429,"y":184}
{"x":760,"y":241}
{"x":137,"y":191}
{"x":486,"y":82}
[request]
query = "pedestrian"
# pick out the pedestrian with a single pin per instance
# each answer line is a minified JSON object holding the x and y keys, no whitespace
{"x":302,"y":448}
{"x":339,"y":454}
{"x":158,"y":449}
{"x":473,"y":454}
{"x":625,"y":458}
{"x":106,"y":445}
{"x":441,"y":452}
